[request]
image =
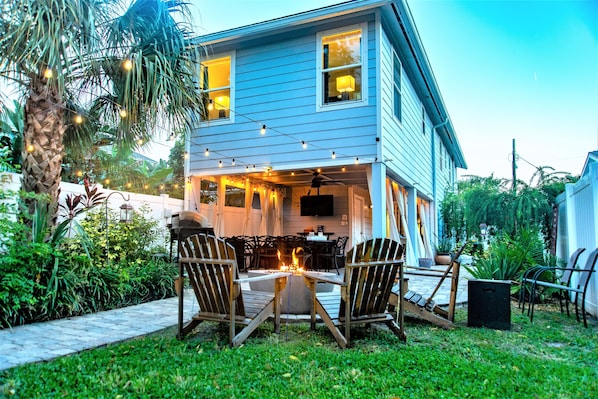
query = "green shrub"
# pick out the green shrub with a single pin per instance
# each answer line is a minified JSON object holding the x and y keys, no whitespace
{"x":508,"y":257}
{"x":68,"y":276}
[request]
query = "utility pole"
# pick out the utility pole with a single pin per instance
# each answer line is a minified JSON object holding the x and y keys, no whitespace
{"x":514,"y":165}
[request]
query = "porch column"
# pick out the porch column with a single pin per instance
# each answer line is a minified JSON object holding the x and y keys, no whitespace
{"x":378,"y":198}
{"x":412,"y":224}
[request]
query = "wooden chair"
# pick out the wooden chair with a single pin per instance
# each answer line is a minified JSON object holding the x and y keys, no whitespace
{"x":211,"y":266}
{"x":370,"y":271}
{"x":578,"y":290}
{"x":424,"y":306}
{"x":532,"y":275}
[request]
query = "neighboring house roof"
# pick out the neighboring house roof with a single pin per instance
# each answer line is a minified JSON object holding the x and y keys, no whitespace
{"x":592,"y":158}
{"x":396,"y":14}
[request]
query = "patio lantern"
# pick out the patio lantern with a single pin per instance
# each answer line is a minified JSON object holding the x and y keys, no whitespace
{"x":126,"y":213}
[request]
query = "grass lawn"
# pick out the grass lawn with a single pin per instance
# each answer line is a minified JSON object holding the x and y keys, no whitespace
{"x":555,"y":357}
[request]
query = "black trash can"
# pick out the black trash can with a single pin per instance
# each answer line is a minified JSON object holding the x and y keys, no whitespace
{"x":489,"y":304}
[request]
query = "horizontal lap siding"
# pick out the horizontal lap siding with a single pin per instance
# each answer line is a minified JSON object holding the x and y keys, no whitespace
{"x":404,"y":142}
{"x":275,"y":85}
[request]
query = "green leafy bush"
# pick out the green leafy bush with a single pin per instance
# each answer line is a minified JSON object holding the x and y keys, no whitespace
{"x":70,"y":274}
{"x":508,"y":257}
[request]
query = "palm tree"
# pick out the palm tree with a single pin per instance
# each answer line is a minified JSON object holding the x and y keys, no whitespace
{"x":83,"y":64}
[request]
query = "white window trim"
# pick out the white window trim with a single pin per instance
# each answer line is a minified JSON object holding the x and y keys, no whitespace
{"x":232,"y":86}
{"x":394,"y":86}
{"x":320,"y":106}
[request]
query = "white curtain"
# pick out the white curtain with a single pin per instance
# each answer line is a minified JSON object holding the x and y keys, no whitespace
{"x":426,"y":231}
{"x":277,"y":199}
{"x":247,"y":227}
{"x":219,"y":220}
{"x":390,"y":211}
{"x":265,"y":205}
{"x":409,"y":253}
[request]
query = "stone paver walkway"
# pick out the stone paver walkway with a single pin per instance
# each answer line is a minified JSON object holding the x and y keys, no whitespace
{"x":48,"y":340}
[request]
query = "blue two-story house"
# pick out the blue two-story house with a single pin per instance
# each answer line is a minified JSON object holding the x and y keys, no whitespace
{"x":329,"y":119}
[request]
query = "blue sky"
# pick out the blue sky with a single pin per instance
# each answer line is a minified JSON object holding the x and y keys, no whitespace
{"x":523,"y":70}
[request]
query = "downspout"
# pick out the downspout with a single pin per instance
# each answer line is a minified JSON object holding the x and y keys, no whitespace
{"x":434,"y":185}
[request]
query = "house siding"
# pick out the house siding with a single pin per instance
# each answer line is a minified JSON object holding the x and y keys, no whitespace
{"x":275,"y":85}
{"x":406,"y":149}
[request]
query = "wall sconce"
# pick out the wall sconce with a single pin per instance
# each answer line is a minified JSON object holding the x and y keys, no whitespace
{"x":345,"y":84}
{"x":222,"y":104}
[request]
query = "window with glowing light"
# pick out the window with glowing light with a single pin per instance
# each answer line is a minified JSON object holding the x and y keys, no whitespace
{"x":215,"y":83}
{"x":341,"y":65}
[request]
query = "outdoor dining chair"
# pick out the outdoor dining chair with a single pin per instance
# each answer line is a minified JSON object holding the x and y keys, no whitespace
{"x":578,"y":290}
{"x":534,"y":274}
{"x":211,"y":267}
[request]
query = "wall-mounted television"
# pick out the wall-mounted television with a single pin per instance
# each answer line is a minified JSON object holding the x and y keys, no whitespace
{"x":317,"y":205}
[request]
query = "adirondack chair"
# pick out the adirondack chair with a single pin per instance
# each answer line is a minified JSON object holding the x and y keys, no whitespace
{"x":424,"y":306}
{"x":211,"y":266}
{"x":371,"y":269}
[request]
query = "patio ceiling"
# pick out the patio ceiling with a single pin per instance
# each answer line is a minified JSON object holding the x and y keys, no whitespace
{"x":351,"y":175}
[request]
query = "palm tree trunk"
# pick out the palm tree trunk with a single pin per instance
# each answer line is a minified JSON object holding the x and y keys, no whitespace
{"x":43,"y":143}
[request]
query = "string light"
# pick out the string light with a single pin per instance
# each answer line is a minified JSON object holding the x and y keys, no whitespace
{"x":48,"y":73}
{"x":356,"y":161}
{"x":210,"y":105}
{"x":333,"y":155}
{"x":219,"y":164}
{"x":140,"y":141}
{"x":128,"y":65}
{"x":207,"y":153}
{"x":303,"y":144}
{"x":233,"y":163}
{"x":263,"y":129}
{"x":78,"y":119}
{"x":30,"y":148}
{"x":186,"y":155}
{"x":123,"y":113}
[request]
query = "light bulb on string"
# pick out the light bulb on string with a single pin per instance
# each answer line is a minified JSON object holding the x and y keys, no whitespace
{"x":207,"y":152}
{"x":127,"y":64}
{"x":303,"y":144}
{"x":219,"y":164}
{"x":78,"y":119}
{"x":186,"y":155}
{"x":333,"y":155}
{"x":233,"y":163}
{"x":122,"y":113}
{"x":263,"y":129}
{"x":210,"y":105}
{"x":356,"y":161}
{"x":48,"y":73}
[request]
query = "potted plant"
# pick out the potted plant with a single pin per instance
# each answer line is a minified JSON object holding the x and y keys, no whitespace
{"x":444,"y":246}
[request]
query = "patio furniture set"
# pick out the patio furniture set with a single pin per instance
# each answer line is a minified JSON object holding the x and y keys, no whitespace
{"x":268,"y":252}
{"x":368,"y":291}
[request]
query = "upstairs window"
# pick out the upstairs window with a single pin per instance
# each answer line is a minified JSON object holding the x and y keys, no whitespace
{"x":215,"y":83}
{"x":341,"y":66}
{"x":396,"y":78}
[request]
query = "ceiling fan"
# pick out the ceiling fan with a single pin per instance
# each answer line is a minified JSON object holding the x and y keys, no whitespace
{"x":320,"y":180}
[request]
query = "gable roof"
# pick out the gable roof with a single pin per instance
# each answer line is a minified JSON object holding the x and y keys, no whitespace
{"x":395,"y":15}
{"x":592,"y":158}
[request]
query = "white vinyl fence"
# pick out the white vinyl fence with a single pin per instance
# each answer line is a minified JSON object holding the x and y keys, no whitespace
{"x":161,"y":207}
{"x":578,"y":225}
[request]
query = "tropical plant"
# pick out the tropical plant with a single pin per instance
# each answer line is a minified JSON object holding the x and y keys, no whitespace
{"x":507,"y":257}
{"x":11,"y":133}
{"x":86,"y":64}
{"x":492,"y":201}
